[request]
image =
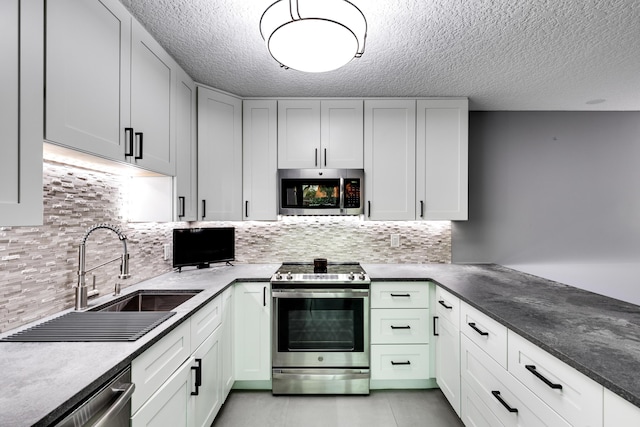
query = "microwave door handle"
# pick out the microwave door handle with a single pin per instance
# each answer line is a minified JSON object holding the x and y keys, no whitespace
{"x":342,"y":194}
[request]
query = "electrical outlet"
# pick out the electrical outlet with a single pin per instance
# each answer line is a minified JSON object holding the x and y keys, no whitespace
{"x":395,"y":240}
{"x":167,"y":251}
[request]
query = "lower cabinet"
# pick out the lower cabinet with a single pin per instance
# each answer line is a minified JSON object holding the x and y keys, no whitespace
{"x":619,"y":412}
{"x":179,"y":380}
{"x":252,"y":333}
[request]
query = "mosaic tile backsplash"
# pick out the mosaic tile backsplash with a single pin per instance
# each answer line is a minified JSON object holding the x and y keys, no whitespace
{"x":38,"y":265}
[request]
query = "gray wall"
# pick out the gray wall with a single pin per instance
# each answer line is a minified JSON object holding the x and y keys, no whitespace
{"x":556,"y":194}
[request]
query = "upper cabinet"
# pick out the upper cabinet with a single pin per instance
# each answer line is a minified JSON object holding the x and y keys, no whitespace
{"x":186,"y":181}
{"x":389,"y":159}
{"x":219,"y":156}
{"x":442,"y":159}
{"x":21,"y":111}
{"x":260,"y":159}
{"x":320,"y":134}
{"x":110,"y":86}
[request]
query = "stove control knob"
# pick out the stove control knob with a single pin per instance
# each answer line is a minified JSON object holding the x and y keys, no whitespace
{"x":351,"y":276}
{"x":289,"y":276}
{"x":278,"y":276}
{"x":362,"y":276}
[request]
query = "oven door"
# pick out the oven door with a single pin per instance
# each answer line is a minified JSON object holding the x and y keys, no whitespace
{"x":326,"y":328}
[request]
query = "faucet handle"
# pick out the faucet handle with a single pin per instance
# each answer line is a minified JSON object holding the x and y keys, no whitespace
{"x":116,"y":289}
{"x":124,"y":267}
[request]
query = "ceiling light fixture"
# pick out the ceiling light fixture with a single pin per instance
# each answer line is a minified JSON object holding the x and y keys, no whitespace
{"x":314,"y":35}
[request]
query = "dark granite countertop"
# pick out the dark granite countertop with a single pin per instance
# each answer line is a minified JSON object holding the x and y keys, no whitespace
{"x":598,"y":336}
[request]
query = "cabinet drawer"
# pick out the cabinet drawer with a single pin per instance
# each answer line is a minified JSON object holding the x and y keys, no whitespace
{"x":573,"y":395}
{"x":152,"y":368}
{"x":399,"y":362}
{"x":205,"y":321}
{"x":506,"y":398}
{"x":400,"y":295}
{"x":474,"y":412}
{"x":399,"y":326}
{"x":488,"y":334}
{"x":447,"y":306}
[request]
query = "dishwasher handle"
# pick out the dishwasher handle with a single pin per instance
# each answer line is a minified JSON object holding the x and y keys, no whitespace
{"x":120,"y":403}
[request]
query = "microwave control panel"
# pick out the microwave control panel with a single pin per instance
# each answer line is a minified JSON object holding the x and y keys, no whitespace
{"x":351,"y":193}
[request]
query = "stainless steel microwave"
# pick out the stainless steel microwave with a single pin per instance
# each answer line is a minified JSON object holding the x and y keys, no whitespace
{"x":321,"y":191}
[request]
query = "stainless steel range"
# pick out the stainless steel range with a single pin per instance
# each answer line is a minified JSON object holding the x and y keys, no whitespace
{"x":320,"y":328}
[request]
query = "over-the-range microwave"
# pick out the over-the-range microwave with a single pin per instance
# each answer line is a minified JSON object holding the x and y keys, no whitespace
{"x":321,"y":191}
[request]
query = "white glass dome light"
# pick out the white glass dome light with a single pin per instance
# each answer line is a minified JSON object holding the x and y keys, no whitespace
{"x":314,"y":35}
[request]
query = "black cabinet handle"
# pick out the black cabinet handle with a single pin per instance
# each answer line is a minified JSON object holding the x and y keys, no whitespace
{"x":496,"y":394}
{"x":246,"y":209}
{"x":532,"y":369}
{"x":325,"y":157}
{"x":401,"y":295}
{"x":369,"y":209}
{"x":475,"y":328}
{"x":129,"y":151}
{"x":435,"y":328}
{"x":408,"y":362}
{"x":198,"y":370}
{"x":316,"y":161}
{"x":204,"y":208}
{"x":182,"y":201}
{"x":264,"y":296}
{"x":448,"y":307}
{"x":139,"y":136}
{"x":421,"y":209}
{"x":401,"y":327}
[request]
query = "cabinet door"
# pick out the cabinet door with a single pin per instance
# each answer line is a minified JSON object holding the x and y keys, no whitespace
{"x":442,"y":159}
{"x":298,"y":134}
{"x":88,"y":69}
{"x":260,"y":160}
{"x":228,"y":374}
{"x":252,"y":325}
{"x":153,"y":77}
{"x":186,"y":182}
{"x":21,"y":111}
{"x":208,"y":398}
{"x":219,"y":156}
{"x":171,"y":404}
{"x":342,"y":144}
{"x":619,"y":412}
{"x":389,"y":159}
{"x":448,"y":362}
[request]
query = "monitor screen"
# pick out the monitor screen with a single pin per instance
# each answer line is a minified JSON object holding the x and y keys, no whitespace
{"x":202,"y":246}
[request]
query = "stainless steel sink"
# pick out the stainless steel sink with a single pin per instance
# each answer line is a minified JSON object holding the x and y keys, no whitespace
{"x":149,"y":300}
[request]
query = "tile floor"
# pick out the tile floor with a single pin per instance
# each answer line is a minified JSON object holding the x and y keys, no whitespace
{"x":382,"y":408}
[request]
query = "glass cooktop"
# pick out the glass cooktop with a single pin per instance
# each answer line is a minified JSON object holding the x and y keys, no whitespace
{"x":332,"y":268}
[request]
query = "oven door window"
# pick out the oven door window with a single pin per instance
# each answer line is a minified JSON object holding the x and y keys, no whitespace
{"x":320,"y":324}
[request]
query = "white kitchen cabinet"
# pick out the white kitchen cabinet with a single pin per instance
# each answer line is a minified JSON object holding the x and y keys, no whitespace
{"x":228,"y":374}
{"x":21,"y":111}
{"x":110,"y":86}
{"x":153,"y":88}
{"x":186,"y":181}
{"x":320,"y":134}
{"x":619,"y":412}
{"x":260,"y":159}
{"x":88,"y":76}
{"x":171,"y":404}
{"x":252,"y":331}
{"x":207,"y":394}
{"x":442,"y":159}
{"x":487,"y":333}
{"x":389,"y":159}
{"x":447,"y":343}
{"x":219,"y":156}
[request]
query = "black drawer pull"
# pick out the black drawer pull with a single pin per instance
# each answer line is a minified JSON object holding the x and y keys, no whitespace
{"x":496,"y":394}
{"x":532,"y":369}
{"x":140,"y":146}
{"x":129,"y":150}
{"x":182,"y":201}
{"x":408,"y":362}
{"x":475,"y":328}
{"x":401,"y":327}
{"x":448,"y":307}
{"x":401,"y":295}
{"x":435,"y":328}
{"x":198,"y":381}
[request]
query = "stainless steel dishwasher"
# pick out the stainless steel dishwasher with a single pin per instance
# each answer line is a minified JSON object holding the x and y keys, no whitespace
{"x":110,"y":406}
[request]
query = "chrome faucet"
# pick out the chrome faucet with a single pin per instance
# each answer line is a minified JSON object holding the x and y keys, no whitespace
{"x":81,"y":288}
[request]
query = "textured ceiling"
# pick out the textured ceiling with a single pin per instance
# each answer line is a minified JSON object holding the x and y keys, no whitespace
{"x":502,"y":54}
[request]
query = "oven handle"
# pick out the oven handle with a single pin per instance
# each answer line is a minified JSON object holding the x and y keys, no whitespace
{"x":319,"y":293}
